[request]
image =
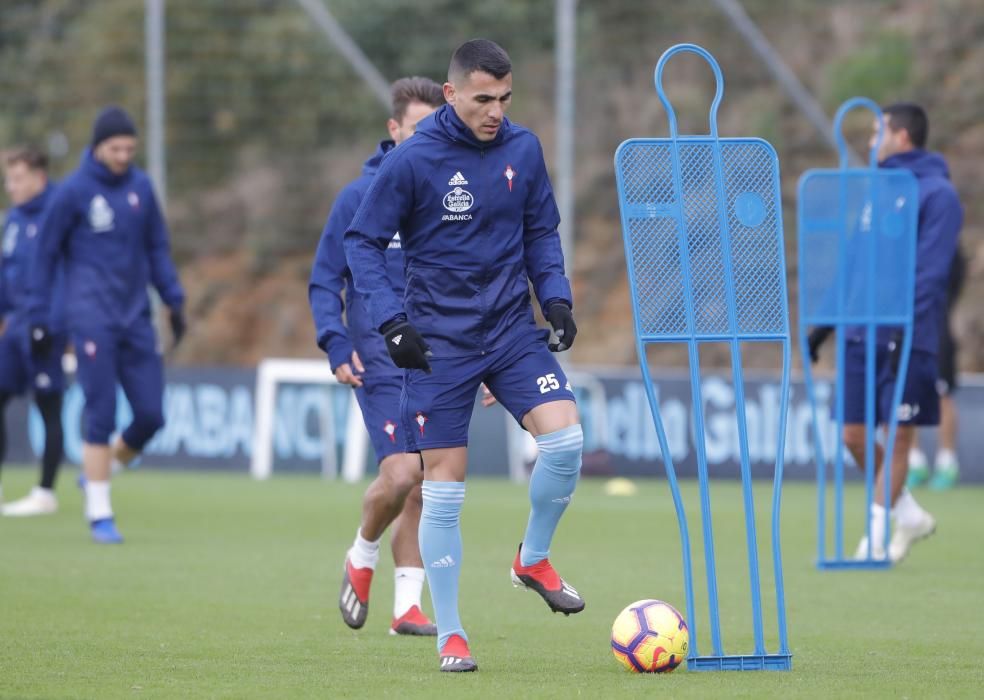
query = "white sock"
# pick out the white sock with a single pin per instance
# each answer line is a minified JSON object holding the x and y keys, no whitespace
{"x":946,"y":459}
{"x":917,"y":459}
{"x":364,"y":554}
{"x":908,"y":512}
{"x":877,"y":517}
{"x":97,"y":505}
{"x":406,"y":592}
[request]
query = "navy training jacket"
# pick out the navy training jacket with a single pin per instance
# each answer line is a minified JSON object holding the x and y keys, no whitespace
{"x":20,"y":239}
{"x":940,"y":219}
{"x":478,"y":222}
{"x":108,"y":233}
{"x":330,"y":275}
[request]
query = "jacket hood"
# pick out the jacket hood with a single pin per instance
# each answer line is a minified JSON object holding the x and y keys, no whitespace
{"x":372,"y":164}
{"x":93,"y":168}
{"x":921,"y":163}
{"x":38,"y":201}
{"x":446,"y":125}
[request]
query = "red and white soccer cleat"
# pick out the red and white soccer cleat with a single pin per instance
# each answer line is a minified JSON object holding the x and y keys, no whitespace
{"x":353,"y":601}
{"x":455,"y":656}
{"x":544,"y":579}
{"x":413,"y":623}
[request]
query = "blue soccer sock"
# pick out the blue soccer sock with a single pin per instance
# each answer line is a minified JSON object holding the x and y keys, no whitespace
{"x":551,"y":486}
{"x":440,"y":549}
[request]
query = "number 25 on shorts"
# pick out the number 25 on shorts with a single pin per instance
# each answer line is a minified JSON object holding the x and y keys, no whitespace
{"x":547,"y":382}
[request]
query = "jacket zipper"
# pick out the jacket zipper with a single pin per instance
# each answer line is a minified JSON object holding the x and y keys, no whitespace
{"x":485,"y":284}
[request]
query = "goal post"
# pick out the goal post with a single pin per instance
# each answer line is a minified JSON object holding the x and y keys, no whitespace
{"x":270,"y":374}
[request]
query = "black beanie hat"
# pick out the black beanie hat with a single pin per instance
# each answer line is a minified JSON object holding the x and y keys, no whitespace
{"x":112,"y":121}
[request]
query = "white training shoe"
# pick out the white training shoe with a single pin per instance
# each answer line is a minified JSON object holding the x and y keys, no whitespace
{"x":906,"y":536}
{"x":38,"y":502}
{"x":861,"y":553}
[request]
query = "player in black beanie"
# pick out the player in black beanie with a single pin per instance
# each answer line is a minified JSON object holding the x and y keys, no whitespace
{"x":106,"y":231}
{"x":112,"y":121}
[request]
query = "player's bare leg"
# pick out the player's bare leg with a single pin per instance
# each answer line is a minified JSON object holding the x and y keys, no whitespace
{"x":408,"y":618}
{"x":550,"y":417}
{"x":95,"y":461}
{"x":559,"y":439}
{"x":440,"y":546}
{"x":403,"y":531}
{"x":855,"y":436}
{"x":386,"y":497}
{"x":854,"y":441}
{"x":917,"y":522}
{"x":904,"y":436}
{"x":122,"y":454}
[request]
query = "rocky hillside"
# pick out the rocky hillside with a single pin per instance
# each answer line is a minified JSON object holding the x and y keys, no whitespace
{"x":265,"y":123}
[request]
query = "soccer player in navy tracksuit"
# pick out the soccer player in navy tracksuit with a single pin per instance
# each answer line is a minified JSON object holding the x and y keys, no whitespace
{"x":939,"y":223}
{"x":359,"y":359}
{"x":105,"y":228}
{"x":470,"y":196}
{"x":26,"y":180}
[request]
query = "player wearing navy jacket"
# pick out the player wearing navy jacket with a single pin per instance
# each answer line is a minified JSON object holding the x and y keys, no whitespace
{"x":470,"y":196}
{"x":105,"y":228}
{"x":27,"y":185}
{"x":358,"y":356}
{"x":940,"y":219}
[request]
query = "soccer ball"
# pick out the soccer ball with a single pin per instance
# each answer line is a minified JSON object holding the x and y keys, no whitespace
{"x":650,"y":636}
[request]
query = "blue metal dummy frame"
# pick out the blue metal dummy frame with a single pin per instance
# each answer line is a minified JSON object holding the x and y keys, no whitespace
{"x":702,"y":227}
{"x":900,"y":190}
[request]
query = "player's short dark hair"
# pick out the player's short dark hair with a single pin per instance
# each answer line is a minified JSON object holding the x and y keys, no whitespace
{"x":414,"y":89}
{"x":912,"y":118}
{"x":33,"y":158}
{"x":479,"y":55}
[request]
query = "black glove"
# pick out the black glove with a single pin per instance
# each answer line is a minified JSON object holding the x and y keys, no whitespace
{"x":816,"y":338}
{"x":178,"y":326}
{"x":40,"y":341}
{"x":405,"y":345}
{"x":895,"y":352}
{"x":562,"y":320}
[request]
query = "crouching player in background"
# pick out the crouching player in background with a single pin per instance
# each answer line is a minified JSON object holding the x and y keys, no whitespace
{"x":105,"y":228}
{"x":26,"y":181}
{"x":470,"y":196}
{"x":358,"y":356}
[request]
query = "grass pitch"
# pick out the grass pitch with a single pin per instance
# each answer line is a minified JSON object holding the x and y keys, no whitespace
{"x":227,"y":588}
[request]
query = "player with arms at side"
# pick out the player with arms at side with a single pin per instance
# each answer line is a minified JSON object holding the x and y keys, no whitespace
{"x":105,"y":227}
{"x":26,"y":181}
{"x":940,"y":219}
{"x":358,"y":357}
{"x":478,"y":221}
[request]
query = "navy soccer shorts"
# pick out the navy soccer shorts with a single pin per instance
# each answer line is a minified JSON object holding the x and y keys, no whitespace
{"x":379,"y":399}
{"x":20,"y":372}
{"x":107,"y":357}
{"x":920,"y":400}
{"x":437,"y":407}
